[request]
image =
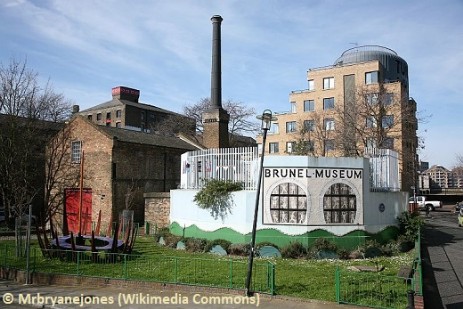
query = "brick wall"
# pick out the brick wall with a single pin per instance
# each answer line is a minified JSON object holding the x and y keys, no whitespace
{"x":157,"y":209}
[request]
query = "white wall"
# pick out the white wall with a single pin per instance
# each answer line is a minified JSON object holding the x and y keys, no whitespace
{"x":369,"y":217}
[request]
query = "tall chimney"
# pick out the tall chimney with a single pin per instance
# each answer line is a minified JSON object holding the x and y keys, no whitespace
{"x":215,"y":119}
{"x":216,"y":70}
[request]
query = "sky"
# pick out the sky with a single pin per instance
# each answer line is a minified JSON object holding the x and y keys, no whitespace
{"x":163,"y":48}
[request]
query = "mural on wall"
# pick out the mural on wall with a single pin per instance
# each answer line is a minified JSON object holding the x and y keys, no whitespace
{"x":312,"y":196}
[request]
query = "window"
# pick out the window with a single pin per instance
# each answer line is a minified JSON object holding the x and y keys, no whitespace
{"x":329,"y":145}
{"x":372,"y":98}
{"x":309,"y":105}
{"x":388,"y":143}
{"x":291,"y":126}
{"x":371,"y":77}
{"x":388,"y":98}
{"x":273,"y":148}
{"x":328,"y":124}
{"x":142,"y":116}
{"x":293,"y":107}
{"x":308,"y":146}
{"x":76,"y":151}
{"x":309,"y":125}
{"x":328,"y":83}
{"x":89,"y":117}
{"x":118,"y":124}
{"x":388,"y":121}
{"x":288,"y":204}
{"x":98,"y":116}
{"x":339,"y":204}
{"x":290,"y":147}
{"x":311,"y":84}
{"x":274,"y":129}
{"x":328,"y":103}
{"x":108,"y":119}
{"x":371,"y":142}
{"x":371,"y":122}
{"x":118,"y":113}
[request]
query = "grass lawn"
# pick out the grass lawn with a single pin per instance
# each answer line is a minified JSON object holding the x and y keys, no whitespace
{"x":311,"y":279}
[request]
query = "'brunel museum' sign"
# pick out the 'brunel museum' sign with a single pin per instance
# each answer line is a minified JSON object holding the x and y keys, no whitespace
{"x":312,"y":196}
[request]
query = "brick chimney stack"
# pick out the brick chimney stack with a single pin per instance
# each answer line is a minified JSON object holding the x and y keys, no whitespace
{"x":215,"y":120}
{"x":126,"y":93}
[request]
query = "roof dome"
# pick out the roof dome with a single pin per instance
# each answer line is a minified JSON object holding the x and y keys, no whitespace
{"x":394,"y":66}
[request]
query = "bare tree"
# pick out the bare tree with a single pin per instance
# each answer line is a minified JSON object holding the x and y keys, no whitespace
{"x":241,"y":116}
{"x":316,"y":135}
{"x":29,"y":114}
{"x":241,"y":120}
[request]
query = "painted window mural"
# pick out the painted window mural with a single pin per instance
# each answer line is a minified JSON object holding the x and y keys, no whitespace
{"x":288,"y":204}
{"x":339,"y":204}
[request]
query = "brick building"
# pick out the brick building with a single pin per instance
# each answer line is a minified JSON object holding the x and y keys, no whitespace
{"x":118,"y":165}
{"x":360,"y":102}
{"x":125,"y":111}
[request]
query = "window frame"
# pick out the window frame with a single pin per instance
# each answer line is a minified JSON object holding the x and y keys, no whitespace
{"x":387,"y":121}
{"x":291,"y":126}
{"x":310,"y":84}
{"x":310,"y":104}
{"x":309,"y":125}
{"x":293,"y":107}
{"x":328,"y":103}
{"x":290,"y":146}
{"x":371,"y":77}
{"x":331,"y":123}
{"x":328,"y":83}
{"x":76,"y":152}
{"x":273,"y":147}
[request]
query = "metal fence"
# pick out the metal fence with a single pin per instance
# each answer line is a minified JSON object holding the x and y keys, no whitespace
{"x":233,"y":164}
{"x":214,"y":272}
{"x":384,"y":169}
{"x":380,"y":291}
{"x":241,"y":165}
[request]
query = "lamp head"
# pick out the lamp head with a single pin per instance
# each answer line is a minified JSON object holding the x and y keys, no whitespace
{"x":267,"y":119}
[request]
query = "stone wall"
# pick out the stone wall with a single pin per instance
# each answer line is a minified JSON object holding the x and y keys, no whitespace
{"x":157,"y":210}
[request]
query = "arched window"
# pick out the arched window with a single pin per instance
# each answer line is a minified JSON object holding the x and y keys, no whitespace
{"x":288,"y":204}
{"x":339,"y":204}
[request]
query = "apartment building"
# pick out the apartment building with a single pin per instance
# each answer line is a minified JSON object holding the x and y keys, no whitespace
{"x":443,"y":178}
{"x":125,"y":111}
{"x":360,"y":102}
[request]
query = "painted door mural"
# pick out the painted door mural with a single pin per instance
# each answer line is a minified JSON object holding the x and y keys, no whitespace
{"x":71,"y":213}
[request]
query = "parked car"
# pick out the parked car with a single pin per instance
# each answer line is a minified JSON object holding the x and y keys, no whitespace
{"x":424,"y":204}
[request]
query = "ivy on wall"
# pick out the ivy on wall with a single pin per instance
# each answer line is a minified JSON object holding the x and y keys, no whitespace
{"x":215,"y":196}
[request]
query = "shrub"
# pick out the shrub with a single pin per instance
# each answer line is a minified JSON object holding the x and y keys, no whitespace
{"x":225,"y":244}
{"x":293,"y":250}
{"x":215,"y":196}
{"x":324,"y":244}
{"x":343,"y":254}
{"x":372,"y":249}
{"x":195,"y":244}
{"x":239,"y":249}
{"x":266,"y":243}
{"x":323,"y":248}
{"x":410,"y":224}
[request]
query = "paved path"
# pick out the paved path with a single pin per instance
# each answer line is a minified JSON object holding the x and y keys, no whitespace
{"x":443,"y":263}
{"x":88,"y":297}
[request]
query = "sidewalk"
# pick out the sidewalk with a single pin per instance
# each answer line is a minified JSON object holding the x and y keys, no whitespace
{"x":32,"y":296}
{"x":442,"y":254}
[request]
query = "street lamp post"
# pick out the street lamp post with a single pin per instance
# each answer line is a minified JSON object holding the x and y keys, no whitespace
{"x":267,"y":119}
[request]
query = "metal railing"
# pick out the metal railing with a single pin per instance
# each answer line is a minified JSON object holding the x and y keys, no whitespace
{"x":233,"y":164}
{"x":214,"y":272}
{"x":241,"y":165}
{"x":380,"y":291}
{"x":384,"y":169}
